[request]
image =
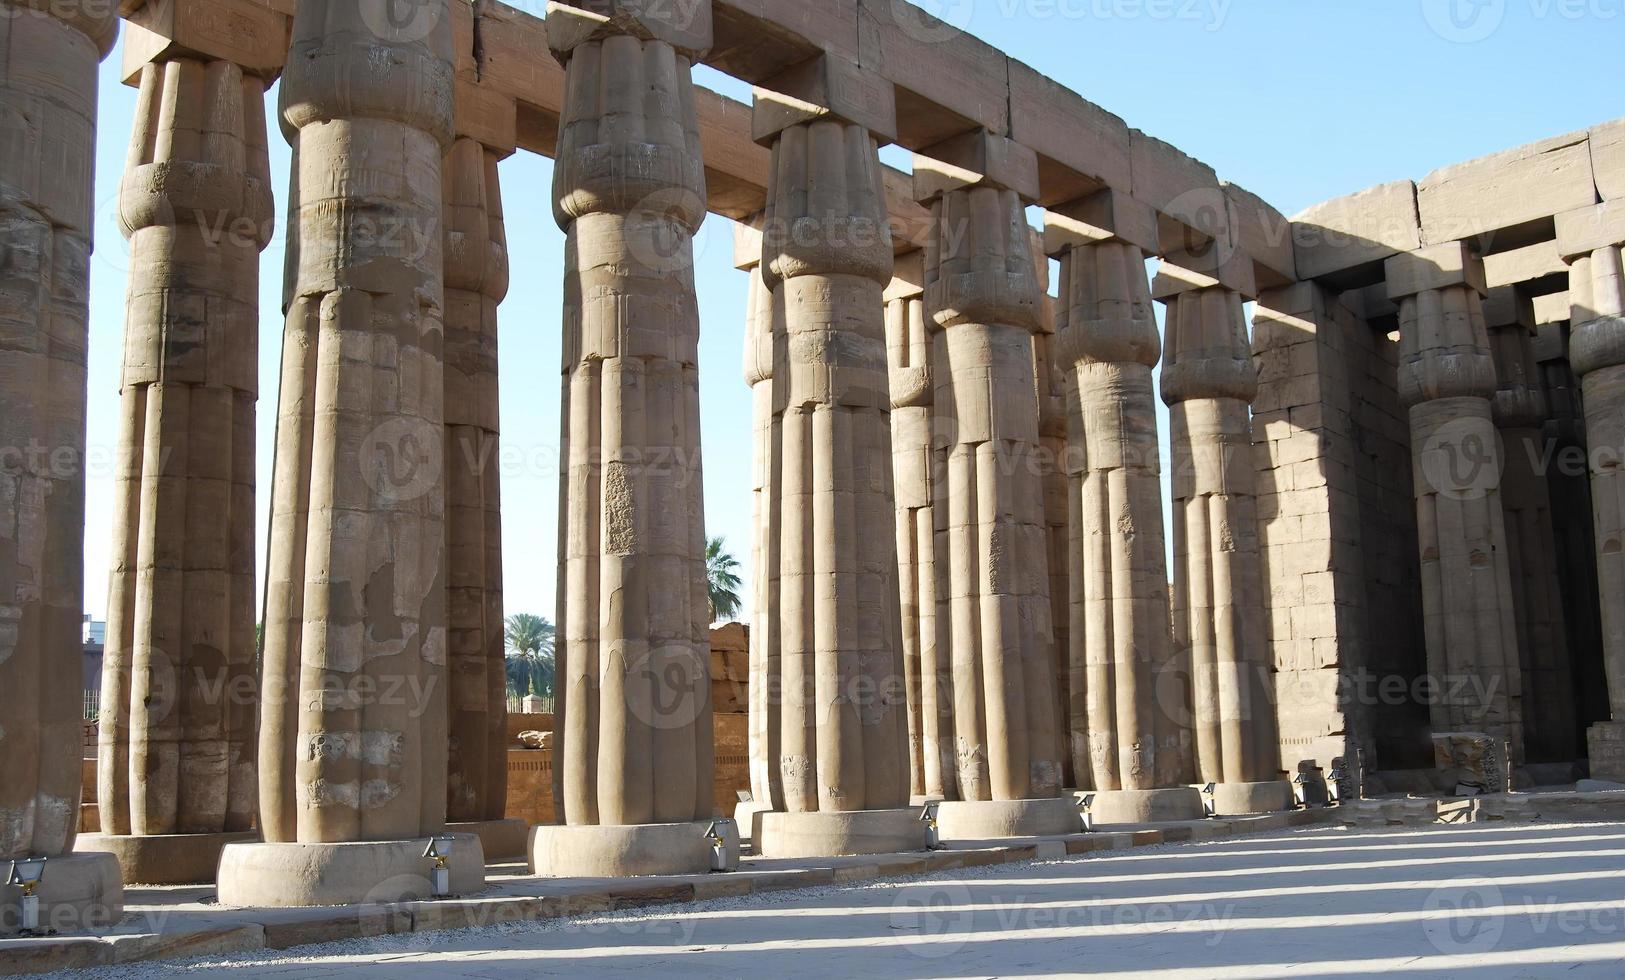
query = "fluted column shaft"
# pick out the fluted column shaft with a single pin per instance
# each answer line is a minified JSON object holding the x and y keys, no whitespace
{"x":930,"y":687}
{"x":48,"y":72}
{"x":1209,"y":382}
{"x":764,"y":344}
{"x":992,"y":579}
{"x":1597,"y":352}
{"x":634,"y":713}
{"x":828,"y":256}
{"x":179,"y":689}
{"x":1446,"y":380}
{"x":476,"y":269}
{"x":1052,"y":453}
{"x":1119,"y":640}
{"x":353,"y":737}
{"x":1519,"y":408}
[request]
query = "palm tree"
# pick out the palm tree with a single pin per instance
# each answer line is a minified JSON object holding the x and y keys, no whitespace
{"x":721,"y":584}
{"x":530,"y":655}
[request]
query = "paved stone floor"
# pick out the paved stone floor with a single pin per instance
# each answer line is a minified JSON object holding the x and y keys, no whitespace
{"x":1497,"y":899}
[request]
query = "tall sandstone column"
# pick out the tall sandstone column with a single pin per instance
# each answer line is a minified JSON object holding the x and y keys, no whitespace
{"x":176,"y":776}
{"x":827,"y":257}
{"x":1209,"y":382}
{"x":476,"y":271}
{"x":1446,"y":380}
{"x":1591,"y":241}
{"x":992,"y":581}
{"x":1125,"y":744}
{"x":353,"y":729}
{"x":48,"y":59}
{"x":633,"y":720}
{"x":1052,"y":453}
{"x":930,"y":689}
{"x":1519,"y":409}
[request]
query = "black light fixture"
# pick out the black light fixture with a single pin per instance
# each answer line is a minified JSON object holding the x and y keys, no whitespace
{"x":439,"y":851}
{"x":1086,"y":804}
{"x":1210,"y":802}
{"x":933,"y":834}
{"x":717,"y":834}
{"x":27,"y":874}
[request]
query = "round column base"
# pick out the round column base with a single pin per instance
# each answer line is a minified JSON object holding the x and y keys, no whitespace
{"x":78,"y":892}
{"x":1132,"y":807}
{"x":295,"y":875}
{"x":1000,"y":819}
{"x":1251,"y":799}
{"x":745,"y":818}
{"x":165,"y":859}
{"x":615,"y":851}
{"x":837,"y":833}
{"x":500,"y":839}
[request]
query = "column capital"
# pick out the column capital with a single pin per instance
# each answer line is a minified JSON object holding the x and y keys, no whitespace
{"x":683,"y":24}
{"x":976,"y":159}
{"x":99,"y":22}
{"x":1207,"y":353}
{"x":1107,"y":215}
{"x":824,"y":87}
{"x":1434,"y":267}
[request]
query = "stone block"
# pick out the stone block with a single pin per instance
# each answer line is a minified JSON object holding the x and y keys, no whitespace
{"x":484,"y":114}
{"x":1182,"y":188}
{"x":253,"y":35}
{"x":1506,"y":189}
{"x":1608,"y":159}
{"x":1584,"y":230}
{"x":1552,"y":308}
{"x":1360,"y":229}
{"x":207,"y":940}
{"x":25,"y":956}
{"x":1263,"y":234}
{"x":824,"y":87}
{"x":1525,"y":264}
{"x":914,"y":50}
{"x":1606,"y":740}
{"x":976,"y":159}
{"x":1106,"y":215}
{"x":685,"y":26}
{"x":1081,"y":146}
{"x":1433,"y":267}
{"x":1472,"y":760}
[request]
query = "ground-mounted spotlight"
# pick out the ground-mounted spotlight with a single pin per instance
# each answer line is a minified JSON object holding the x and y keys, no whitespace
{"x":1210,"y":802}
{"x":27,"y":875}
{"x":717,"y":835}
{"x":1300,"y":790}
{"x":1086,"y":804}
{"x":933,"y":832}
{"x":1334,"y":783}
{"x":439,"y":851}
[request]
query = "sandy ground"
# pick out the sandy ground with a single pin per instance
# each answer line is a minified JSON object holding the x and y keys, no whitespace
{"x":1493,"y":899}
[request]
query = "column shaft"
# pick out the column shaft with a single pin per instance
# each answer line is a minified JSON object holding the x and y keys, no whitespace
{"x":992,"y":578}
{"x":476,"y":269}
{"x":634,"y":714}
{"x":1209,"y":383}
{"x":354,"y":727}
{"x":764,"y":340}
{"x":47,"y":167}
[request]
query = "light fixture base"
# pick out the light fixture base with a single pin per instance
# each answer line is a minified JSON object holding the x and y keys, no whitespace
{"x":79,"y":892}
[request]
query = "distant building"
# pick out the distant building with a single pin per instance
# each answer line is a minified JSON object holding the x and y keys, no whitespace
{"x":95,"y":637}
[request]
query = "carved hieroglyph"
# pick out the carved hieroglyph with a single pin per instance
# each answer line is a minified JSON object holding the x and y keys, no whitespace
{"x":1107,"y":339}
{"x":634,"y":713}
{"x":1209,"y":382}
{"x":992,"y":580}
{"x":476,"y":251}
{"x":828,"y":257}
{"x":48,"y":59}
{"x":1446,"y":380}
{"x":353,"y":736}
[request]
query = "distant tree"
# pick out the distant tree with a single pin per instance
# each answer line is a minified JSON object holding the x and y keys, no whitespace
{"x":530,"y":655}
{"x":721,"y":582}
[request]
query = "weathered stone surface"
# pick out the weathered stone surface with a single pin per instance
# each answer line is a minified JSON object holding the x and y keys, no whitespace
{"x":1506,"y":189}
{"x":633,"y":720}
{"x":1356,"y":230}
{"x":179,"y":690}
{"x":1473,"y":760}
{"x":353,"y":734}
{"x":47,"y":158}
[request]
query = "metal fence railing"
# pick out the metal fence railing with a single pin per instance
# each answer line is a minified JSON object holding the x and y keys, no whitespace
{"x":93,"y":705}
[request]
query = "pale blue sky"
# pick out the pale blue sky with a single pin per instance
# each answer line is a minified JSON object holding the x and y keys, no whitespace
{"x":1297,"y":100}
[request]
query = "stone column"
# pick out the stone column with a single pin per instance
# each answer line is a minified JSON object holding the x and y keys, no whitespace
{"x":1051,"y":380}
{"x":1124,"y":745}
{"x":48,"y":62}
{"x":1446,"y":380}
{"x":353,"y":730}
{"x":476,"y":271}
{"x":633,"y":719}
{"x":1209,"y":382}
{"x":1519,"y":410}
{"x":176,"y":775}
{"x":1591,"y":241}
{"x":827,"y":257}
{"x":992,"y":579}
{"x":930,"y":685}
